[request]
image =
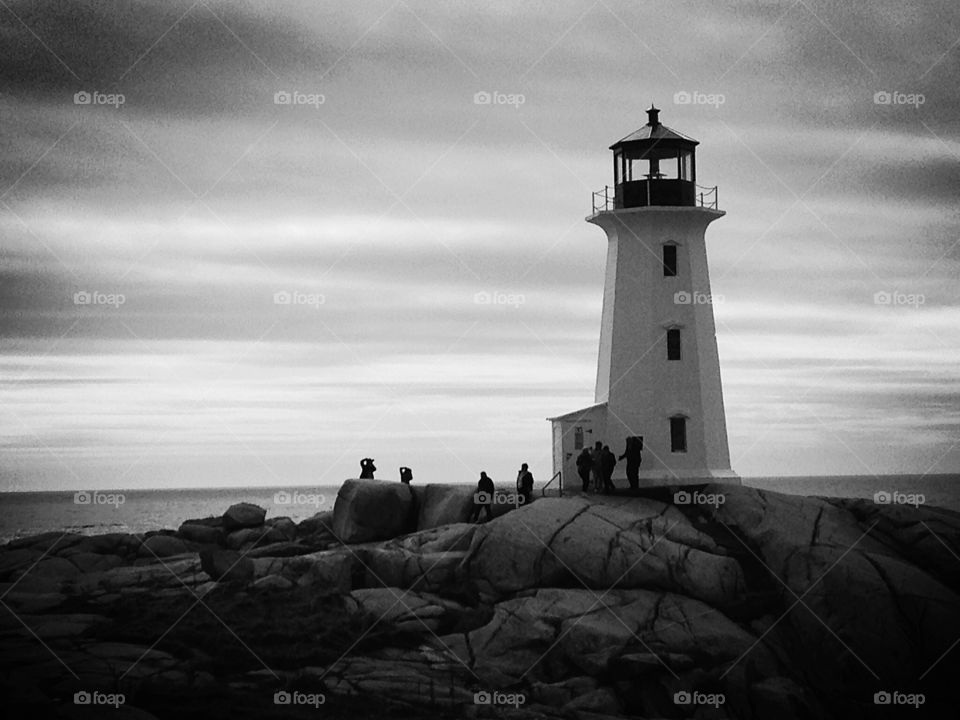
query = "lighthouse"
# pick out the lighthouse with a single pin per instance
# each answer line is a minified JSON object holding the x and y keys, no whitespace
{"x":658,"y":372}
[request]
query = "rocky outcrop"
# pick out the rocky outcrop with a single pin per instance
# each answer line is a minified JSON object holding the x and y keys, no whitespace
{"x":764,"y":605}
{"x":572,"y":543}
{"x":243,"y":515}
{"x":368,"y":510}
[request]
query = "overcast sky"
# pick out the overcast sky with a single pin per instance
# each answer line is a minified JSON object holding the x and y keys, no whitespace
{"x":383,"y":198}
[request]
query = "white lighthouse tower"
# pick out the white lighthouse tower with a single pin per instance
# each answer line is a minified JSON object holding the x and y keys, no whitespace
{"x":658,"y":374}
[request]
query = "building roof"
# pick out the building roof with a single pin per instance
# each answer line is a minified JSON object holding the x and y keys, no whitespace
{"x":654,"y":131}
{"x":578,"y":413}
{"x":660,"y":132}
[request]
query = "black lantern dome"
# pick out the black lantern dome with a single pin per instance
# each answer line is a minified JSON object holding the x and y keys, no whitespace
{"x":654,"y":166}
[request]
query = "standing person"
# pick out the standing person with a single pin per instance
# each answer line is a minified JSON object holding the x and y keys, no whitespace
{"x":525,"y":484}
{"x":584,"y":461}
{"x":406,"y":475}
{"x":367,"y":469}
{"x":596,"y":466}
{"x":483,"y":498}
{"x":609,"y":462}
{"x":634,"y":455}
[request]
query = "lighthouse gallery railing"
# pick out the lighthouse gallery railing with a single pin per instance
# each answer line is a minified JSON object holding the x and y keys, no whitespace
{"x":603,"y":200}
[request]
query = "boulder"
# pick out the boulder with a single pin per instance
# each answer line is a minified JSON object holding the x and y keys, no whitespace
{"x":444,"y":504}
{"x":824,"y":554}
{"x":557,"y":633}
{"x":272,"y":582}
{"x":368,"y":510}
{"x":226,"y":565}
{"x":321,"y":522}
{"x":282,"y":528}
{"x":245,"y":536}
{"x":161,"y":546}
{"x":560,"y":542}
{"x":201,"y":533}
{"x":243,"y":515}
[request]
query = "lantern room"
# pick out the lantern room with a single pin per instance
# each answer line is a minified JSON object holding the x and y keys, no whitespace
{"x":654,"y":166}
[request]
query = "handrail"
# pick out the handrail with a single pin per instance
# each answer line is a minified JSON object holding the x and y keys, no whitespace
{"x":556,"y":476}
{"x":704,"y":197}
{"x":604,"y":200}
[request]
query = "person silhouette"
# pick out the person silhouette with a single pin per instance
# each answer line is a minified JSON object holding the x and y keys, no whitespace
{"x":367,"y":469}
{"x":406,"y":475}
{"x":596,"y":466}
{"x":525,"y":485}
{"x":634,"y":456}
{"x":483,"y":498}
{"x":608,"y":462}
{"x":584,"y":461}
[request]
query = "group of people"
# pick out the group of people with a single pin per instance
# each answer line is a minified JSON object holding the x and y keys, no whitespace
{"x":597,"y":465}
{"x":367,"y":469}
{"x":483,"y":498}
{"x":486,"y":492}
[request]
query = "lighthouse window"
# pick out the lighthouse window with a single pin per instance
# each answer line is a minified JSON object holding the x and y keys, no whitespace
{"x":669,"y":260}
{"x":678,"y":434}
{"x":673,"y":344}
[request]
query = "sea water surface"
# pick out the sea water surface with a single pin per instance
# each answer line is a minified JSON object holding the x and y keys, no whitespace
{"x":136,"y":511}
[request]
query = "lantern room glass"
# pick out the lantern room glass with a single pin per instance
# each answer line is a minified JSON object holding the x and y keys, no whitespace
{"x":654,"y":163}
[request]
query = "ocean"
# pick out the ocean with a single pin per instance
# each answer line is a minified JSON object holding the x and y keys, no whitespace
{"x":136,"y":511}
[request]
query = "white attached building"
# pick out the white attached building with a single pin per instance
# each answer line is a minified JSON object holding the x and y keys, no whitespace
{"x":658,"y":375}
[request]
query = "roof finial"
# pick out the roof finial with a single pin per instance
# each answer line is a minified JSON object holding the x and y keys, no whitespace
{"x":653,"y":116}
